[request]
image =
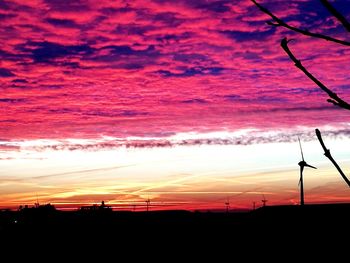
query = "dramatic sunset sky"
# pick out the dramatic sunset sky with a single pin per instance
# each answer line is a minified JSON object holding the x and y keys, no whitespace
{"x":184,"y":102}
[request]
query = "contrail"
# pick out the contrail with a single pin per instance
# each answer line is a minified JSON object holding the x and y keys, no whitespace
{"x":162,"y":184}
{"x":82,"y":171}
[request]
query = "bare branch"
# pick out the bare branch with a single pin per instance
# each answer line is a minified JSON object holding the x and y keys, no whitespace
{"x":280,"y":22}
{"x":334,"y":99}
{"x":270,"y":23}
{"x":336,"y":14}
{"x":327,"y":153}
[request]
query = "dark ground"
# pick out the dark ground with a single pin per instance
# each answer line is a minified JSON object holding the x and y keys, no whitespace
{"x":285,"y":228}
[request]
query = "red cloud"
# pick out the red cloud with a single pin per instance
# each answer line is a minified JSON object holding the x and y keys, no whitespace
{"x":185,"y":65}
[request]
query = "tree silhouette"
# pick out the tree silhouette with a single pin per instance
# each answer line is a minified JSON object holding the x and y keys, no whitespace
{"x":333,"y":97}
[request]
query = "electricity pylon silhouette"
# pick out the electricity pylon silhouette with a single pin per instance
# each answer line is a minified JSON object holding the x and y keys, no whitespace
{"x":148,"y":201}
{"x":264,"y":201}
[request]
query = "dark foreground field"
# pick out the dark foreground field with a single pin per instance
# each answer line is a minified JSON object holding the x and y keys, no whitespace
{"x":276,"y":226}
{"x":326,"y":217}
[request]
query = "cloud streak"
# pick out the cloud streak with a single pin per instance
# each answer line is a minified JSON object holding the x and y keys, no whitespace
{"x":246,"y":138}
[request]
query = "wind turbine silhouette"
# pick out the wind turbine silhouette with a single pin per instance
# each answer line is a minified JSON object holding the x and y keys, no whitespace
{"x":302,"y":164}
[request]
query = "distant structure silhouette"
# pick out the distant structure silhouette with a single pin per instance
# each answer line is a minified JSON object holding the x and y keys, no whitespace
{"x":253,"y":205}
{"x":37,"y":204}
{"x":148,"y":202}
{"x":302,"y":164}
{"x":38,"y":208}
{"x":95,"y":208}
{"x":227,"y":205}
{"x":264,"y":201}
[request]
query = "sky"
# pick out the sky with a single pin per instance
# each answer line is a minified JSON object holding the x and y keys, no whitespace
{"x":186,"y":103}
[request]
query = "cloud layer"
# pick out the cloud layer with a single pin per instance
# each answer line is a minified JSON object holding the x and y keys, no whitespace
{"x":243,"y":137}
{"x":82,"y":69}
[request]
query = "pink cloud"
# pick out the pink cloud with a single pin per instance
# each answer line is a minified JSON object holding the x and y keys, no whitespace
{"x":107,"y":68}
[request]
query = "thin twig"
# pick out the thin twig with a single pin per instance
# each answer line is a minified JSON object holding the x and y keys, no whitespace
{"x":280,"y":22}
{"x":336,"y":14}
{"x":334,"y":99}
{"x":327,"y":153}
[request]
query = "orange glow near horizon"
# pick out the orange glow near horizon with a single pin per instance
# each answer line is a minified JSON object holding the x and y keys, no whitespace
{"x":181,"y":177}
